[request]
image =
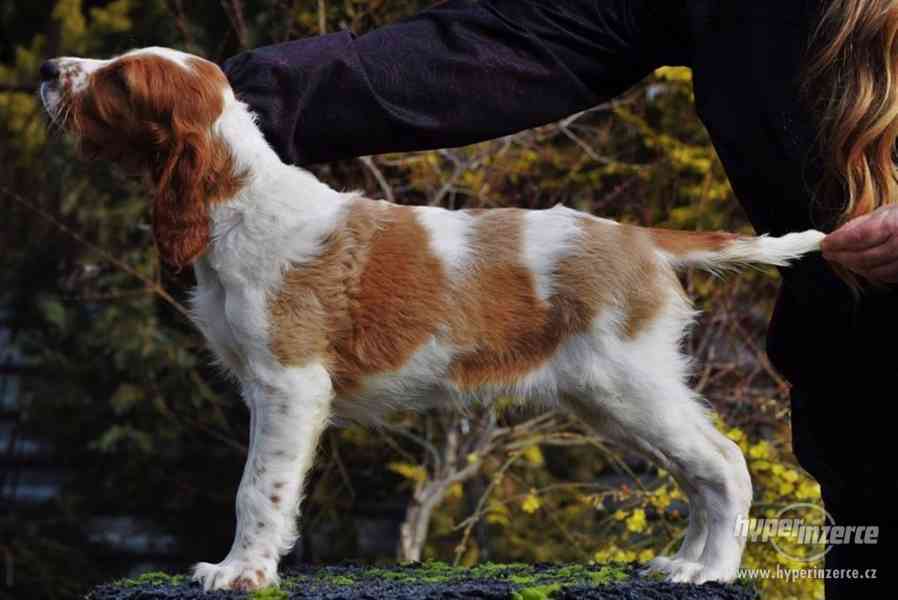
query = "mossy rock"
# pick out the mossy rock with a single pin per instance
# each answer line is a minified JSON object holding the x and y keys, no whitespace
{"x":437,"y":580}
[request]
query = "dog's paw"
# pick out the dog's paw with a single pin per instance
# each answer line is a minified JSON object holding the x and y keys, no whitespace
{"x":684,"y":571}
{"x":659,"y":564}
{"x":679,"y":570}
{"x":232,"y":574}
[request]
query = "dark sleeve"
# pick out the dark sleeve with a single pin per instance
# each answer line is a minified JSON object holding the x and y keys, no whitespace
{"x":461,"y":72}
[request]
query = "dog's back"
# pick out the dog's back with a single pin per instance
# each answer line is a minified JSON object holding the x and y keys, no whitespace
{"x":410,"y":304}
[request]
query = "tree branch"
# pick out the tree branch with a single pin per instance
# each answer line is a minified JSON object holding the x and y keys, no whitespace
{"x":234,"y":12}
{"x":379,"y":177}
{"x":176,"y":8}
{"x":151,"y":285}
{"x":322,"y":17}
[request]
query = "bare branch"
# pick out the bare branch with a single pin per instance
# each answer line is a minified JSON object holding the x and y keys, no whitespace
{"x":379,"y":177}
{"x":151,"y":285}
{"x":322,"y":17}
{"x":416,"y":439}
{"x":566,"y":130}
{"x":176,"y":8}
{"x":469,"y":523}
{"x":234,"y":12}
{"x":289,"y":8}
{"x":341,"y":468}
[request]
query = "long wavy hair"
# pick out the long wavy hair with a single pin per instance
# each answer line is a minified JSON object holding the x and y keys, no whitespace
{"x":851,"y":84}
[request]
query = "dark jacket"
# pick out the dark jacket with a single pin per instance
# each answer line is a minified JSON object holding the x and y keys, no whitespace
{"x":466,"y":70}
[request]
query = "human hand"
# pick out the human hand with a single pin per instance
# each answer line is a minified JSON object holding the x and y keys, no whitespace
{"x":867,"y":245}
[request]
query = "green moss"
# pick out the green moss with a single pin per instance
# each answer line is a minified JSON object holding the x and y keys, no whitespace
{"x":528,"y":579}
{"x":341,"y":580}
{"x":429,"y":572}
{"x":490,"y":569}
{"x":567,"y":574}
{"x":528,"y":582}
{"x":607,"y":575}
{"x":436,"y":571}
{"x":391,"y":575}
{"x":519,"y":574}
{"x":269,"y":593}
{"x":152,"y":578}
{"x":538,"y":592}
{"x":536,"y":585}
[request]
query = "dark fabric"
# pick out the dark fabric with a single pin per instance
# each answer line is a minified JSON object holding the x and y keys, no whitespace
{"x":465,"y":71}
{"x":865,"y":571}
{"x":856,"y":475}
{"x":456,"y":74}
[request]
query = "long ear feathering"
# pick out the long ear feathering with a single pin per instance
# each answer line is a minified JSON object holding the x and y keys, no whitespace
{"x":180,"y":209}
{"x":195,"y":168}
{"x":154,"y":111}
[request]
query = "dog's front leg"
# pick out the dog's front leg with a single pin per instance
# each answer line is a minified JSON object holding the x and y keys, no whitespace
{"x":288,"y":412}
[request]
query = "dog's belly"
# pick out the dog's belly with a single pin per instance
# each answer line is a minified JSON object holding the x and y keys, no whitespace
{"x":375,"y":401}
{"x":424,"y":383}
{"x":419,"y":385}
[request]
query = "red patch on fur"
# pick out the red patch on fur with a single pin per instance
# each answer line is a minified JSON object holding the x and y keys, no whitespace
{"x":679,"y":243}
{"x":374,"y":295}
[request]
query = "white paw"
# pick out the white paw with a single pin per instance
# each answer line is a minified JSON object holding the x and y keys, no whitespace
{"x":659,"y":564}
{"x":686,"y":571}
{"x":231,"y":574}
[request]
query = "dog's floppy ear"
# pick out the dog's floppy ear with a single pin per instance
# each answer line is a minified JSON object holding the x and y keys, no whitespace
{"x":180,"y":210}
{"x":175,"y":108}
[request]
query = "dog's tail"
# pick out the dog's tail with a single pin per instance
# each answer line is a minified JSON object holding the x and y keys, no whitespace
{"x":718,"y":251}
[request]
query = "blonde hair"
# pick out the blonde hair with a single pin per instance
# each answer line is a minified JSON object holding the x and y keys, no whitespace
{"x":851,"y":85}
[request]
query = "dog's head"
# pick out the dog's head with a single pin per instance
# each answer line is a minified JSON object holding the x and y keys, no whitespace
{"x":154,"y":111}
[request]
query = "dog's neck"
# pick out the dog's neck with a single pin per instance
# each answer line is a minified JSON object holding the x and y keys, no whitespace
{"x":259,"y":163}
{"x":237,"y":128}
{"x":277,"y":203}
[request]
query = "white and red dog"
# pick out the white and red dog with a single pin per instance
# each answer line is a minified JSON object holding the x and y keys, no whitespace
{"x":324,"y":303}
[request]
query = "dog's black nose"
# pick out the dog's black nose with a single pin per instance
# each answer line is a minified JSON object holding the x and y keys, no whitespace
{"x":49,"y":71}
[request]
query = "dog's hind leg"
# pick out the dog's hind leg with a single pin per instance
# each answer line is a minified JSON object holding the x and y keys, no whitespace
{"x":666,"y":421}
{"x":289,"y":410}
{"x":590,"y":413}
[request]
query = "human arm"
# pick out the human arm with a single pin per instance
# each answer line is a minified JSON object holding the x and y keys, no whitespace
{"x":458,"y":73}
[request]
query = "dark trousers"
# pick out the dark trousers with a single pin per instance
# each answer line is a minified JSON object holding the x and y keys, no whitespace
{"x":844,"y":437}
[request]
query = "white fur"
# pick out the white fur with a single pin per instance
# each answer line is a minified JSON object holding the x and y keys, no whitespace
{"x":449,"y":232}
{"x":176,"y":56}
{"x":630,"y":389}
{"x":549,"y":235}
{"x":779,"y":251}
{"x":80,"y":71}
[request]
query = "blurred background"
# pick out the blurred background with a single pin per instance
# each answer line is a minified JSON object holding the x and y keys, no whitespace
{"x":121,"y":448}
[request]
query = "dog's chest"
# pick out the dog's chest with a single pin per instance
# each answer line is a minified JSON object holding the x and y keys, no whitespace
{"x":213,"y":307}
